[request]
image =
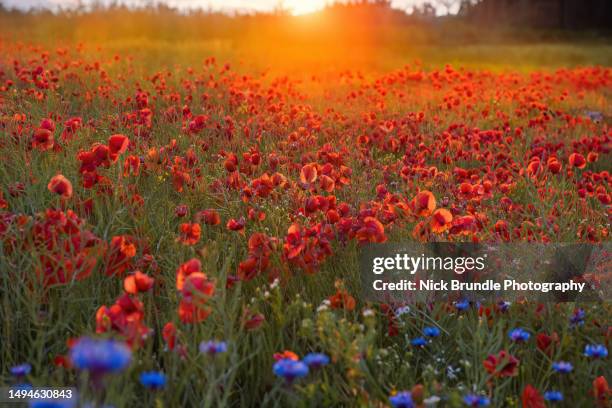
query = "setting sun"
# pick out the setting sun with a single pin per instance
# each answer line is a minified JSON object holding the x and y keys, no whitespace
{"x":299,"y":7}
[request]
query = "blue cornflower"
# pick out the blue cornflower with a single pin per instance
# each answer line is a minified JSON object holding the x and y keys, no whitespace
{"x":21,"y":370}
{"x":577,"y":318}
{"x":462,"y":305}
{"x":553,"y":396}
{"x":100,"y":356}
{"x":473,"y":400}
{"x":519,"y":335}
{"x":52,"y":403}
{"x":290,"y":369}
{"x":402,"y":400}
{"x":562,"y":367}
{"x":594,"y":116}
{"x":400,"y":311}
{"x":213,"y":347}
{"x":418,"y":342}
{"x":503,"y":305}
{"x":153,"y":379}
{"x":316,"y":360}
{"x":431,"y":331}
{"x":596,"y":351}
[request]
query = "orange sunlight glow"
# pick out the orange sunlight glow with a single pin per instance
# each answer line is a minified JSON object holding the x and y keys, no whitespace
{"x":299,"y":7}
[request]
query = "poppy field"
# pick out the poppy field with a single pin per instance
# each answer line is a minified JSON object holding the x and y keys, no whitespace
{"x":187,"y":234}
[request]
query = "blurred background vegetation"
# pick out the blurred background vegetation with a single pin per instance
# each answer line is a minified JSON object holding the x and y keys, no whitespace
{"x":494,"y":34}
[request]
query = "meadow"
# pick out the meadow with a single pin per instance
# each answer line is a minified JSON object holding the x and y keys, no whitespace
{"x":202,"y":201}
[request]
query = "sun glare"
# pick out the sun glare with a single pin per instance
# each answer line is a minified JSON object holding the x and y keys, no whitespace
{"x":299,"y":7}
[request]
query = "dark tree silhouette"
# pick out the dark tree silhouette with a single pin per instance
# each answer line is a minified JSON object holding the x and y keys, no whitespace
{"x":559,"y":14}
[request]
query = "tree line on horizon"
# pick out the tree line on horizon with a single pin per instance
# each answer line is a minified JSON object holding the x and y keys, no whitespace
{"x":548,"y":14}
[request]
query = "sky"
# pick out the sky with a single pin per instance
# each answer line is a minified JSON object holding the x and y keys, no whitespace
{"x":294,"y":6}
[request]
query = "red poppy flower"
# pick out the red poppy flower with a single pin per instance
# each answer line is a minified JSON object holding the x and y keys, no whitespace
{"x":248,"y":268}
{"x":101,"y":155}
{"x":601,"y":392}
{"x":169,"y":335}
{"x":131,"y":165}
{"x":70,"y":128}
{"x":287,"y":354}
{"x":122,"y":250}
{"x":60,"y":185}
{"x":534,"y":167}
{"x":308,"y":174}
{"x":88,"y":161}
{"x":181,"y":210}
{"x":197,"y":287}
{"x":547,"y":343}
{"x":47,"y":124}
{"x":180,"y":179}
{"x":371,"y":230}
{"x":464,"y":225}
{"x":501,"y":228}
{"x":118,"y":144}
{"x":342,"y":300}
{"x":252,"y":321}
{"x":43,"y":139}
{"x":332,"y":216}
{"x":577,"y":160}
{"x":190,"y":313}
{"x":255,"y":215}
{"x":66,"y":250}
{"x":465,"y":188}
{"x":231,"y":163}
{"x":184,"y":270}
{"x":189,"y":233}
{"x":260,"y":248}
{"x":261,"y":245}
{"x":502,"y":365}
{"x":418,"y":394}
{"x":327,"y":183}
{"x":236,"y":225}
{"x":554,"y":165}
{"x":62,"y":361}
{"x":126,"y":317}
{"x":293,"y":242}
{"x":3,"y":202}
{"x":424,"y":203}
{"x":209,"y":217}
{"x":531,"y":398}
{"x":138,"y":282}
{"x":440,"y":220}
{"x":421,"y":231}
{"x":198,"y":123}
